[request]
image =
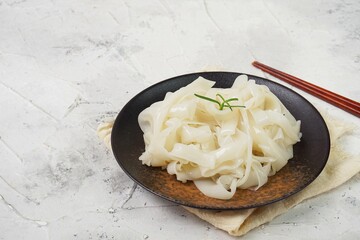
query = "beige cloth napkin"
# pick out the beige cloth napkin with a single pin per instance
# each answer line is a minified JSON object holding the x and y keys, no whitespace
{"x":340,"y":167}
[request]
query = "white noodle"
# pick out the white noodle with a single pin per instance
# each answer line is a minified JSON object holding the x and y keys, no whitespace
{"x":220,"y":150}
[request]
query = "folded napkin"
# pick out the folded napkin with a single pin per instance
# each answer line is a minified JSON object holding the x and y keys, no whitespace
{"x":340,"y":167}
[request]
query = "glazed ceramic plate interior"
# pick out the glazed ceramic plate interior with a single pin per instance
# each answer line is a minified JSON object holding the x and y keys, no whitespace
{"x":310,"y":154}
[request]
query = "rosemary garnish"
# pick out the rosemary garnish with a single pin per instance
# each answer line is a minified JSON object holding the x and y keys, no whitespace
{"x":224,"y":103}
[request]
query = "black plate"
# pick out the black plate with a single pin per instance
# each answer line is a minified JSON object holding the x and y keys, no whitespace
{"x":310,"y":154}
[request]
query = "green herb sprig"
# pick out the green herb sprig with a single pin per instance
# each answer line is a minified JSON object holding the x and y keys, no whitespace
{"x":225,"y":102}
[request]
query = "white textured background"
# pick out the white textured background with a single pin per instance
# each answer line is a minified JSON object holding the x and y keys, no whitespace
{"x":67,"y":65}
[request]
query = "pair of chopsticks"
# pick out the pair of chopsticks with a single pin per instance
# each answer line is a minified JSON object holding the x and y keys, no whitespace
{"x":335,"y":99}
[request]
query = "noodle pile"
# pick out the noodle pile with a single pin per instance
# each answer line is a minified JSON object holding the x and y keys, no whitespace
{"x":219,"y":150}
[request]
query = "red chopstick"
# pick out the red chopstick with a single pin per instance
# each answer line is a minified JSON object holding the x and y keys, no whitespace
{"x":335,"y":99}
